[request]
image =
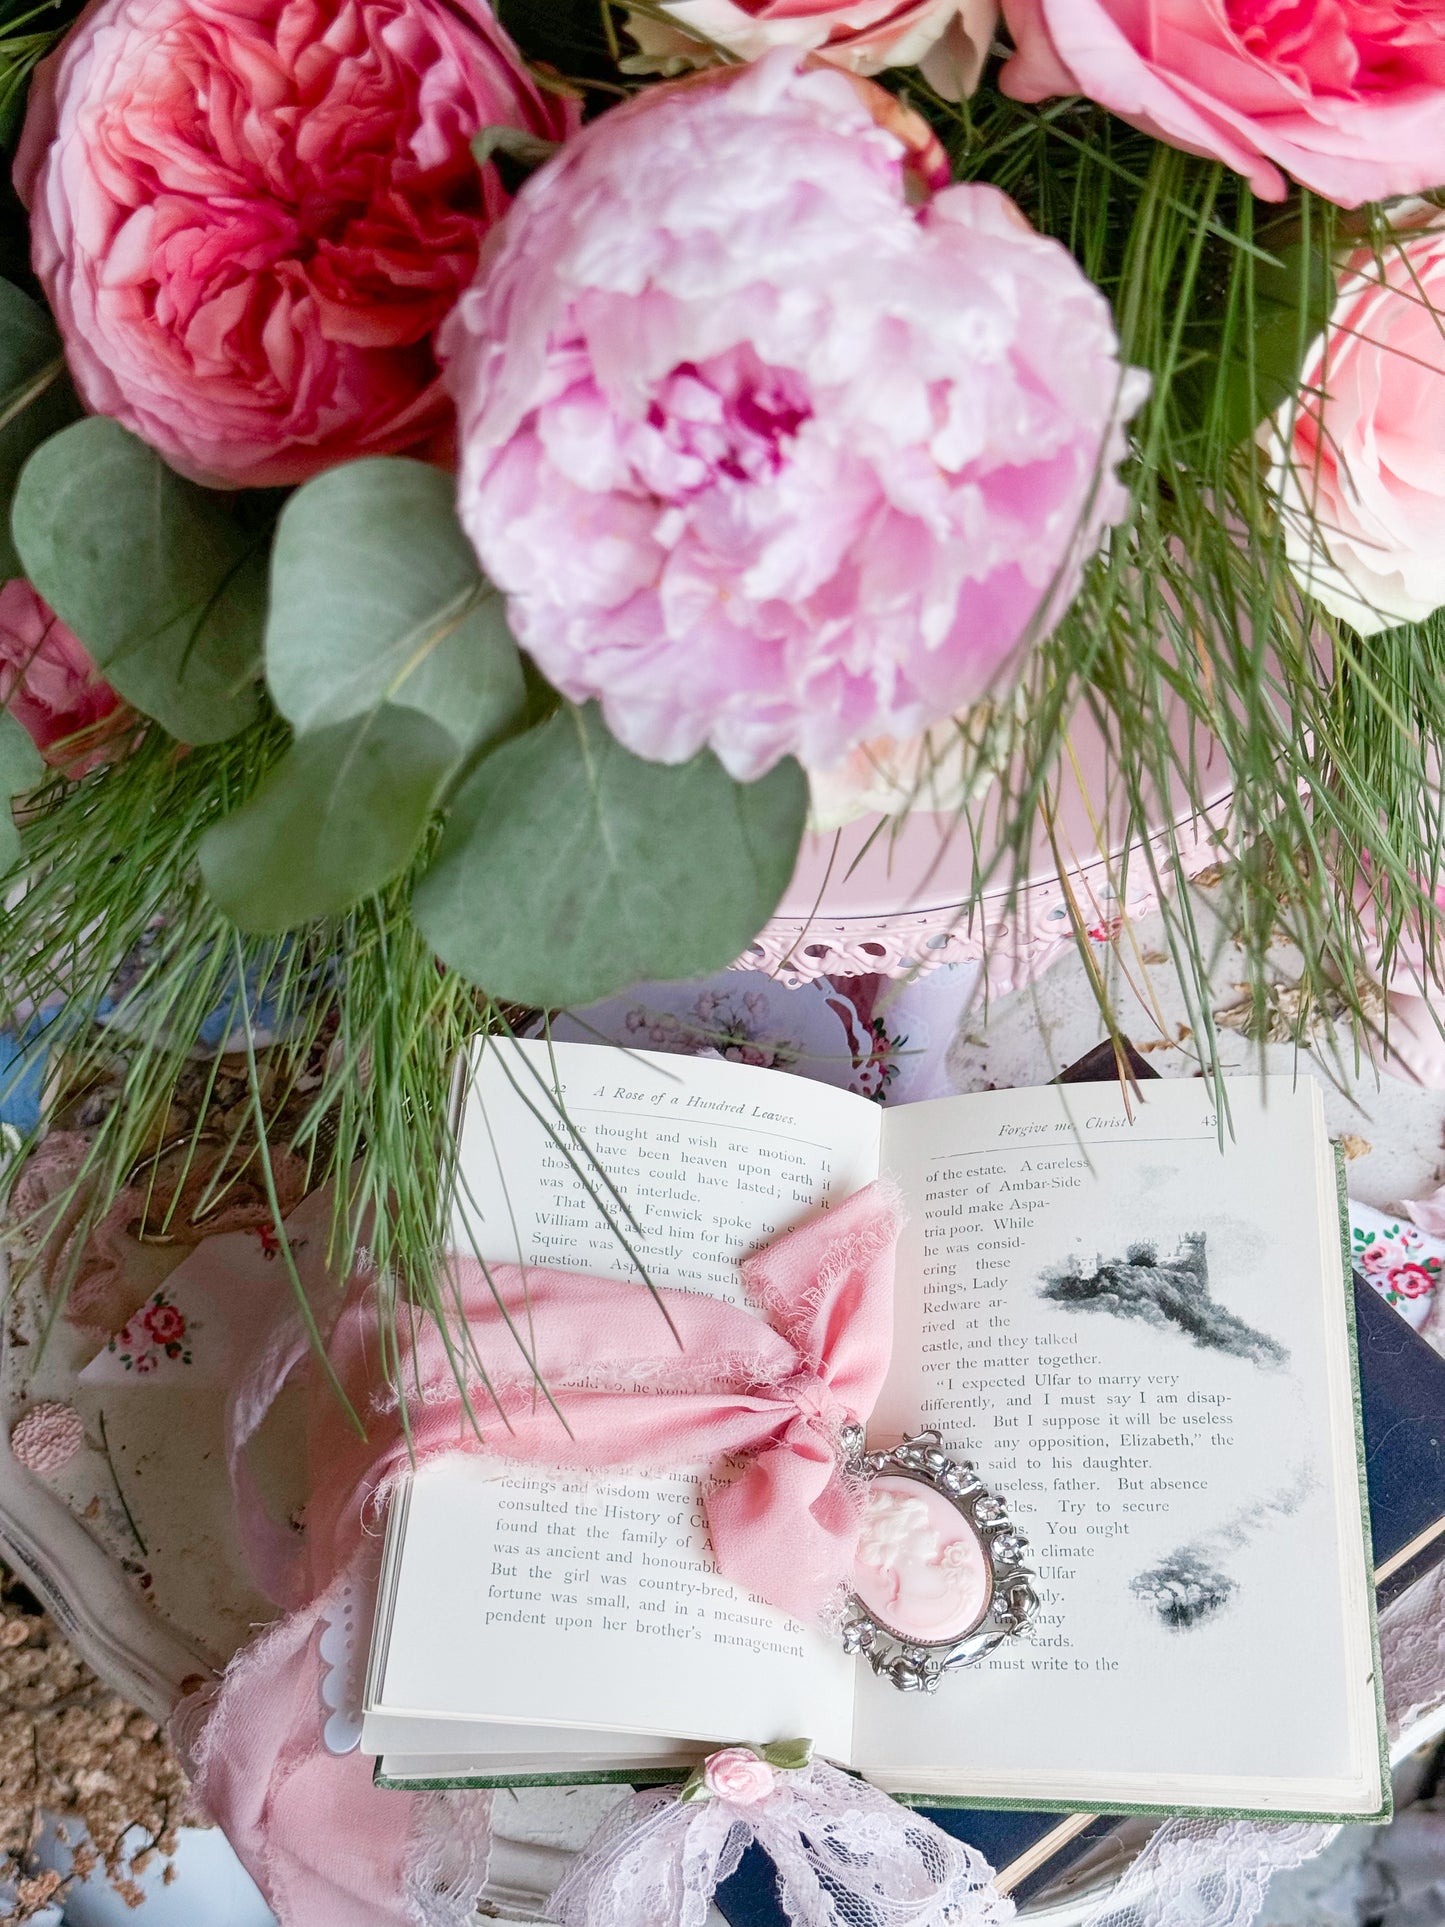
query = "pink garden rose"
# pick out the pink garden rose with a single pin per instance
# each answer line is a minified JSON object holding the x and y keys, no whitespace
{"x":250,"y":215}
{"x":1345,"y":96}
{"x":948,"y":39}
{"x":737,"y":1775}
{"x":1359,"y":458}
{"x":47,"y":681}
{"x":763,"y":455}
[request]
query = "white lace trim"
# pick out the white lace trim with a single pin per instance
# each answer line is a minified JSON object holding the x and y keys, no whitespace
{"x":447,"y":1866}
{"x":846,"y":1855}
{"x":1412,"y":1652}
{"x":1208,"y":1873}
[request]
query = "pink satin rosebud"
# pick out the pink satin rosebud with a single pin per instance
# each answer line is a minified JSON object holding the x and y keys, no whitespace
{"x":48,"y":682}
{"x":737,"y":1775}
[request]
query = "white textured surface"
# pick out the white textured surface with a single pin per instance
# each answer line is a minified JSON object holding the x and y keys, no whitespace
{"x":1028,"y":1037}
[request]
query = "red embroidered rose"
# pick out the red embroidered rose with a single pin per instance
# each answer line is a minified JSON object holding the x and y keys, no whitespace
{"x":1411,"y":1280}
{"x":164,"y":1323}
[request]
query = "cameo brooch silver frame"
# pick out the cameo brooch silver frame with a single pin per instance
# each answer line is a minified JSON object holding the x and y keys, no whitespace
{"x":998,"y":1594}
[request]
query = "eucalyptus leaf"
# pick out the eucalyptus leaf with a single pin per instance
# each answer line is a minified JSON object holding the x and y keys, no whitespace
{"x":570,"y":868}
{"x":36,"y":398}
{"x":340,"y":814}
{"x":153,"y":573}
{"x":376,"y":598}
{"x":21,"y":768}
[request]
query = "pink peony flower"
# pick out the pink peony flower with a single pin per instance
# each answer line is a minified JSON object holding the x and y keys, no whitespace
{"x":762,"y":455}
{"x":948,"y":39}
{"x":250,"y":215}
{"x":737,"y":1775}
{"x":47,"y":681}
{"x":1356,"y":459}
{"x":1346,"y":96}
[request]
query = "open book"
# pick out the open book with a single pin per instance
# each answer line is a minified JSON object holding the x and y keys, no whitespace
{"x":1143,"y":1342}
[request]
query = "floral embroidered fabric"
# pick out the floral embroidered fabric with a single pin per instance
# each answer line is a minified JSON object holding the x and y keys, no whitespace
{"x":1401,"y":1261}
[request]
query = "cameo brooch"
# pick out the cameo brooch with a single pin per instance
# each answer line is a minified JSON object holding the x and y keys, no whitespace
{"x":938,"y":1579}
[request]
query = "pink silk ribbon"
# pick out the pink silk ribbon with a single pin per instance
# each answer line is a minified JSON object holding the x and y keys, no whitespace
{"x":631,"y":1392}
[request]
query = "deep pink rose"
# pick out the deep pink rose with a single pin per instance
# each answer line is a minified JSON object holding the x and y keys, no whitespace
{"x":47,"y":681}
{"x":250,"y":216}
{"x":1345,"y":96}
{"x":948,"y":39}
{"x":1358,"y":460}
{"x":737,"y":1775}
{"x":764,"y":454}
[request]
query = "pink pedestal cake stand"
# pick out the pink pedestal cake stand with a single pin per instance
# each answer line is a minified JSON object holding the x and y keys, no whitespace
{"x":887,"y":896}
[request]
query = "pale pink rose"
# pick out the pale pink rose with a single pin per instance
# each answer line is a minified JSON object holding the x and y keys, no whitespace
{"x":737,"y":1775}
{"x":1358,"y":460}
{"x":1344,"y":96}
{"x":250,"y":215}
{"x":47,"y":681}
{"x":948,"y":39}
{"x":764,"y":456}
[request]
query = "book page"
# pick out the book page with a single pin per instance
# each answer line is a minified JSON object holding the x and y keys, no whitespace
{"x":529,"y":1599}
{"x":1142,"y":1343}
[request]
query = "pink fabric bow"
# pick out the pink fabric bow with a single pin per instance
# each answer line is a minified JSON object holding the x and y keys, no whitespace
{"x":325,"y":1846}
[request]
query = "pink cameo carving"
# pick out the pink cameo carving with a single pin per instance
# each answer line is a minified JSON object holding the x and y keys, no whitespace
{"x":920,"y":1568}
